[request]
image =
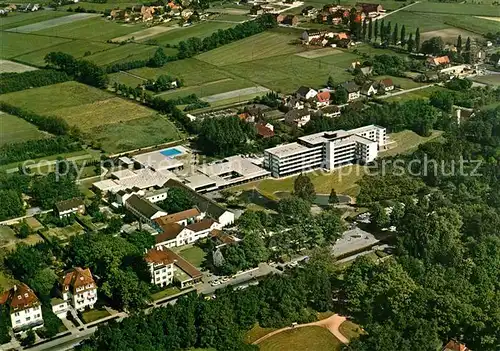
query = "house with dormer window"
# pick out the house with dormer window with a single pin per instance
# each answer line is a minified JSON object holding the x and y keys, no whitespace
{"x":79,"y":288}
{"x":24,"y":307}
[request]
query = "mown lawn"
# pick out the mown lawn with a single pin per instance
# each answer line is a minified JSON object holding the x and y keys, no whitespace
{"x":14,"y":130}
{"x":256,"y":333}
{"x":407,"y":141}
{"x":193,"y":255}
{"x":165,"y":292}
{"x":302,"y":339}
{"x":417,"y":94}
{"x":350,"y":330}
{"x":93,"y":315}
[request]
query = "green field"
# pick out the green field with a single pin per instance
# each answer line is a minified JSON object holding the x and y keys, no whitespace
{"x":200,"y":30}
{"x":127,"y":52}
{"x":407,"y":141}
{"x":15,"y":44}
{"x":125,"y":78}
{"x":15,"y":130}
{"x":208,"y":89}
{"x":107,"y":121}
{"x":457,"y":9}
{"x":97,"y":29}
{"x":302,"y":339}
{"x":93,"y":315}
{"x":263,"y":45}
{"x":417,"y":94}
{"x":492,"y":79}
{"x":77,"y":48}
{"x":193,"y":255}
{"x":191,"y":71}
{"x":18,"y":19}
{"x":101,"y":7}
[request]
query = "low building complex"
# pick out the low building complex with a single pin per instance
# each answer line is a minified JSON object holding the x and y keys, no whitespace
{"x":327,"y":150}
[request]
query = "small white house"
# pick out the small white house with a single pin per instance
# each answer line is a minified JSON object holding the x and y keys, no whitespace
{"x":25,"y":308}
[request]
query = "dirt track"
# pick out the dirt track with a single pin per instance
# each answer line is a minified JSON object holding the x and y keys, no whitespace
{"x":332,"y":324}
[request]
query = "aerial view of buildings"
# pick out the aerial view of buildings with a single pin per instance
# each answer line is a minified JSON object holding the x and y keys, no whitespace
{"x":250,"y":175}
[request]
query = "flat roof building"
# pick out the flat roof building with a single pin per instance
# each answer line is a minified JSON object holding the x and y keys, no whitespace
{"x":327,"y":150}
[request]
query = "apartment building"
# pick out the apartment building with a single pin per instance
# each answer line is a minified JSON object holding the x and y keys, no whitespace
{"x":161,"y":266}
{"x":25,"y":308}
{"x":79,"y":287}
{"x":327,"y":150}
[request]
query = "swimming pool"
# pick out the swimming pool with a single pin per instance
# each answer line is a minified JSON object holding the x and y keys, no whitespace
{"x":170,"y":152}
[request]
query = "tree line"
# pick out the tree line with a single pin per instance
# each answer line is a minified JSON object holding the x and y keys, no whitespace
{"x":10,"y":82}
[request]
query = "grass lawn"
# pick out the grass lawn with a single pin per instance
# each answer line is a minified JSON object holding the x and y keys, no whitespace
{"x":18,"y":19}
{"x":93,"y":315}
{"x":165,"y":292}
{"x":15,"y":44}
{"x":76,"y":48}
{"x":256,"y":333}
{"x":425,"y":21}
{"x":96,"y":29}
{"x":14,"y":130}
{"x":134,"y":134}
{"x":200,"y":30}
{"x":350,"y":330}
{"x":193,"y":255}
{"x":343,"y":180}
{"x":404,"y":83}
{"x":6,"y":282}
{"x":259,"y":46}
{"x":302,"y":339}
{"x":407,"y":141}
{"x":189,"y":70}
{"x":124,"y":78}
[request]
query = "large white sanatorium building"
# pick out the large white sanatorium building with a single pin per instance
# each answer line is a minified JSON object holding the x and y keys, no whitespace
{"x":328,"y":150}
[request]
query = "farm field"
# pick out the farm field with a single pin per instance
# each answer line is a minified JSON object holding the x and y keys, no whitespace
{"x":14,"y":130}
{"x":457,"y":9}
{"x":50,"y":23}
{"x":492,"y":79}
{"x":15,"y":44}
{"x":200,"y":30}
{"x":263,"y":45}
{"x":7,"y":66}
{"x":77,"y":48}
{"x":188,"y":70}
{"x":302,"y":339}
{"x":17,"y":19}
{"x":208,"y":89}
{"x":97,"y":29}
{"x":100,"y":6}
{"x":113,"y":123}
{"x":127,"y":52}
{"x":125,"y":78}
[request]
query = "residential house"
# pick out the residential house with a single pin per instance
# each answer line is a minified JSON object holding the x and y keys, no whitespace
{"x":24,"y":307}
{"x":369,"y":88}
{"x":147,"y":13}
{"x":186,"y":13}
{"x":366,"y":70}
{"x":309,"y":11}
{"x":370,"y":10}
{"x":161,"y":266}
{"x":184,"y":218}
{"x":265,"y":130}
{"x":453,"y":345}
{"x":68,"y":207}
{"x":210,"y":207}
{"x":172,"y":234}
{"x":438,"y":61}
{"x":331,"y":8}
{"x":166,"y":266}
{"x":386,"y":84}
{"x":298,"y":118}
{"x":458,"y":71}
{"x":463,"y":113}
{"x":353,"y":90}
{"x":144,"y":209}
{"x":330,"y":111}
{"x":256,"y":10}
{"x":322,"y":98}
{"x":323,"y":17}
{"x":256,"y":111}
{"x":293,"y":103}
{"x":59,"y":307}
{"x":221,"y":238}
{"x":342,"y":36}
{"x":78,"y":287}
{"x":305,"y":93}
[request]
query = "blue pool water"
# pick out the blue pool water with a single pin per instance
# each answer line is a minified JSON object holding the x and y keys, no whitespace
{"x":170,"y":152}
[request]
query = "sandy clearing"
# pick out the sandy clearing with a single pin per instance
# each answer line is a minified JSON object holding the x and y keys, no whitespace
{"x":331,"y":323}
{"x":496,"y":19}
{"x":235,"y":93}
{"x":53,"y":22}
{"x":143,"y":34}
{"x":318,"y":53}
{"x":7,"y":66}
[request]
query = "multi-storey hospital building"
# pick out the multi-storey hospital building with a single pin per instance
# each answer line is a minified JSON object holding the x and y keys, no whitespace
{"x":327,"y":150}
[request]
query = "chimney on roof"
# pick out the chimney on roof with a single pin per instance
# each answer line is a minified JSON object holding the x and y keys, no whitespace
{"x":15,"y":287}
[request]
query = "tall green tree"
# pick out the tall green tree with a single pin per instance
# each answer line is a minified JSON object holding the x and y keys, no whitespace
{"x":370,"y":30}
{"x":410,"y":43}
{"x":375,"y":30}
{"x":304,"y":188}
{"x":382,"y":30}
{"x":459,"y":44}
{"x":417,"y":40}
{"x":395,"y":35}
{"x":402,"y":37}
{"x":364,"y":30}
